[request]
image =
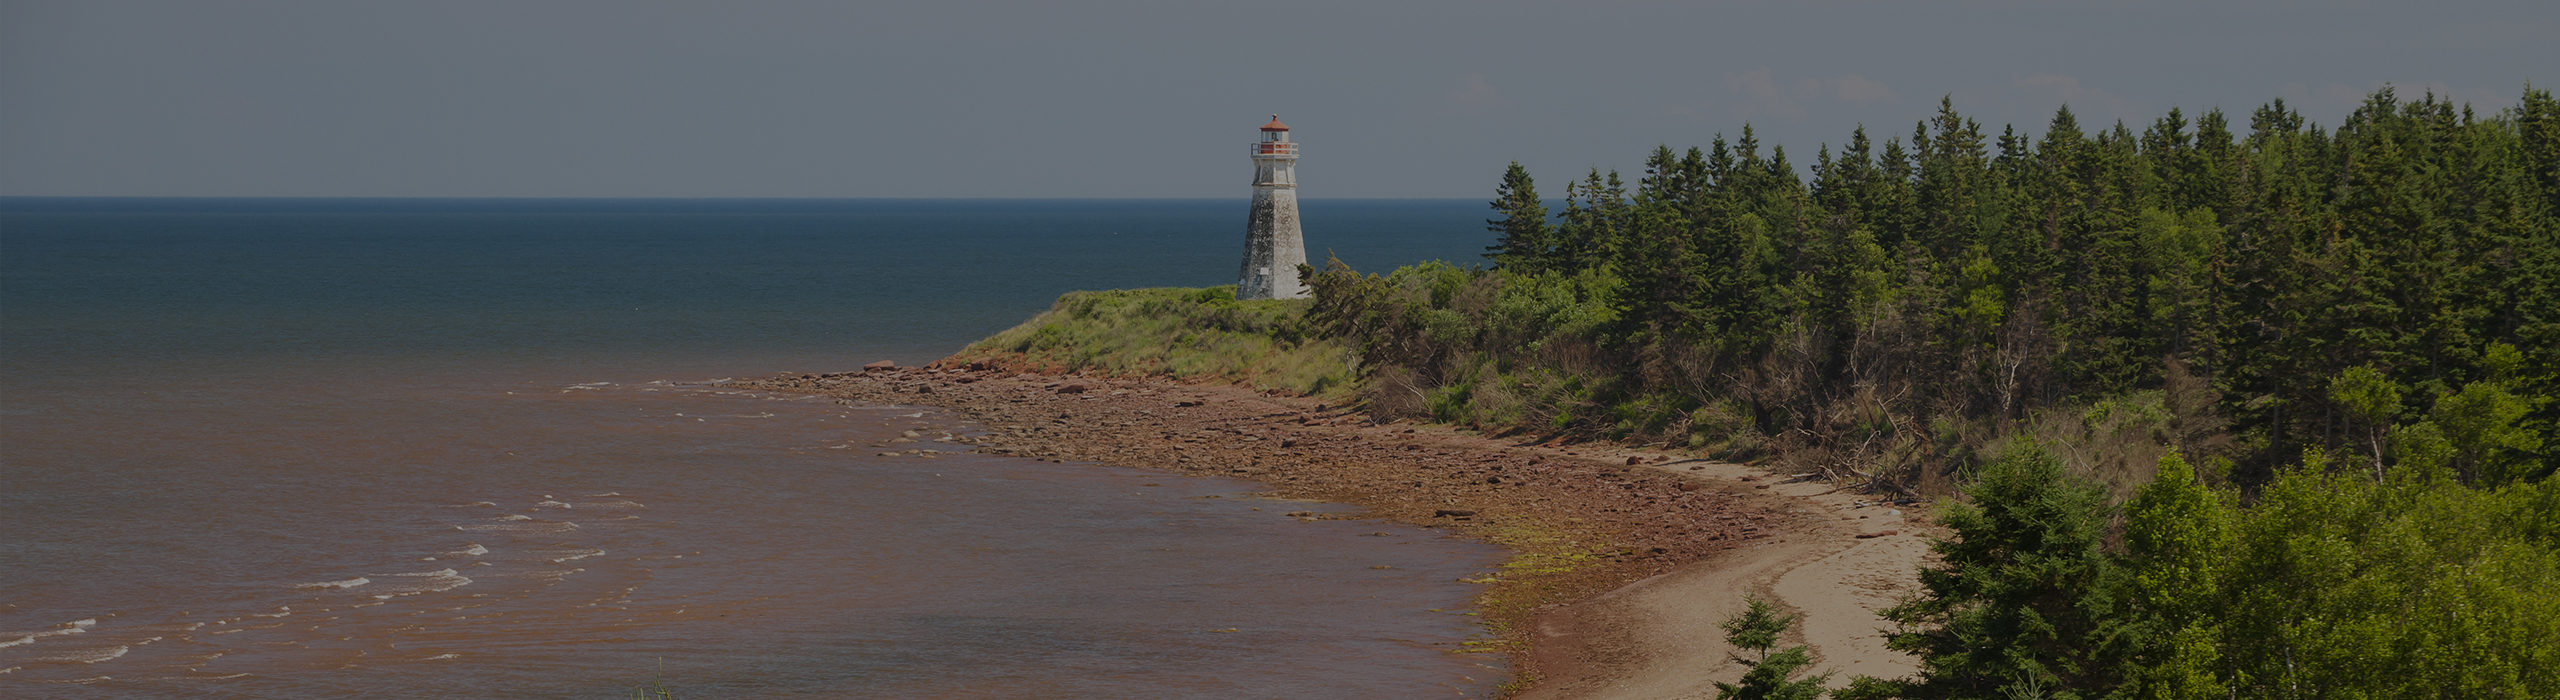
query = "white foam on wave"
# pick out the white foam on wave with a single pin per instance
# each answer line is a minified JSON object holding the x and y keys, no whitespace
{"x":521,"y":526}
{"x":281,"y":611}
{"x":475,"y":504}
{"x":574,"y":555}
{"x":612,"y":505}
{"x":601,"y":495}
{"x":441,"y":657}
{"x":552,"y":504}
{"x":341,"y":583}
{"x":90,"y":656}
{"x":72,"y":627}
{"x":512,"y":516}
{"x":472,"y":551}
{"x":552,"y":576}
{"x":394,"y":585}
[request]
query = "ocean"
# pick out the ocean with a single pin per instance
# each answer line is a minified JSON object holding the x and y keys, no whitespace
{"x":273,"y":448}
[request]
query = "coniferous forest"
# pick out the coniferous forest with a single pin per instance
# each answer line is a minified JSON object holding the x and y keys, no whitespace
{"x":2253,"y":408}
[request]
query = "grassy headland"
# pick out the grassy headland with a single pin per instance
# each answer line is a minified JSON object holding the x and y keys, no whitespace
{"x":1202,"y":334}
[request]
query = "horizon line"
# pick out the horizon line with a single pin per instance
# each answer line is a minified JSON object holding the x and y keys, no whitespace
{"x":4,"y":197}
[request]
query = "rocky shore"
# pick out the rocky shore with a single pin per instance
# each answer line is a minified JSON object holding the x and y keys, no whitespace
{"x":1599,"y":533}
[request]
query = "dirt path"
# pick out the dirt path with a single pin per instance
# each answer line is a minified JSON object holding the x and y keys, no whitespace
{"x":1624,"y":560}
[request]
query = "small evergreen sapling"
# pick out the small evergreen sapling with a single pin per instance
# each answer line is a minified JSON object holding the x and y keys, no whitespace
{"x":1756,"y":630}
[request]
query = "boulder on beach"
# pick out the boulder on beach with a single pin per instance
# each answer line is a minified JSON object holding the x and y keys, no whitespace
{"x":881,"y":365}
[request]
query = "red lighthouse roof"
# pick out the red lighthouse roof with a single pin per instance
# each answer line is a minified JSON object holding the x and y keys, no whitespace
{"x":1275,"y":124}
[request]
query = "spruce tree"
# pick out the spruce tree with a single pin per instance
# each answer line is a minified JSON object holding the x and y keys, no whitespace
{"x":1755,"y":631}
{"x":2011,"y":603}
{"x":1524,"y":240}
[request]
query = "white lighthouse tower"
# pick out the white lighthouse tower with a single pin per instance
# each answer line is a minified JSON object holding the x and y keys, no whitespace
{"x":1273,"y":246}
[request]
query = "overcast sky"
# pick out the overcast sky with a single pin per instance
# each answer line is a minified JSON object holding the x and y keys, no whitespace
{"x":626,"y":98}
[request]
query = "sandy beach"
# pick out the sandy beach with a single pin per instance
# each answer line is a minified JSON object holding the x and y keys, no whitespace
{"x":1623,"y":559}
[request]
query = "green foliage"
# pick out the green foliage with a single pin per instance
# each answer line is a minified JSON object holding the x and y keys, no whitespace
{"x":2340,"y":586}
{"x":1756,"y":630}
{"x":2369,"y":398}
{"x":2012,"y":603}
{"x":1524,"y":239}
{"x":2177,"y":535}
{"x":2333,"y":585}
{"x":2352,"y":330}
{"x":2485,"y":431}
{"x":1184,"y":333}
{"x":2307,"y":287}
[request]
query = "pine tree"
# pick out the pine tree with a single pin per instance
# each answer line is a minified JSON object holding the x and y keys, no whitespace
{"x":1524,"y":240}
{"x":1756,"y":630}
{"x":2010,"y":605}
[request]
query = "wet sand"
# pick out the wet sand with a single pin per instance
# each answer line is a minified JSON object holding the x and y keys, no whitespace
{"x":1624,"y":559}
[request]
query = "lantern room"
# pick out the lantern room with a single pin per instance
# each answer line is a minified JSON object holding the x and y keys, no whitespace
{"x":1275,"y":140}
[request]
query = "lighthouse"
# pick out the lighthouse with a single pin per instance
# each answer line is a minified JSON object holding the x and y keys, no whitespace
{"x":1273,"y":246}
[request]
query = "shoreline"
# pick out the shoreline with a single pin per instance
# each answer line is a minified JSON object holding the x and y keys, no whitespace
{"x":1621,"y":562}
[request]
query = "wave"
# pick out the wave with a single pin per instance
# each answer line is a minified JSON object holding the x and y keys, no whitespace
{"x":521,"y":526}
{"x":472,"y":551}
{"x":343,"y":583}
{"x":552,"y":504}
{"x":577,"y":554}
{"x":72,"y":627}
{"x":394,"y":585}
{"x":551,"y":576}
{"x":612,"y":505}
{"x":89,"y":656}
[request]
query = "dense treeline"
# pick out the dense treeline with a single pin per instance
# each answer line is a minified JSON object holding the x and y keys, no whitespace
{"x":2331,"y":584}
{"x":2261,"y":411}
{"x":2389,"y":289}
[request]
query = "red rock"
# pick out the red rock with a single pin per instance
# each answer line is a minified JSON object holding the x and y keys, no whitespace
{"x":1072,"y":389}
{"x":881,"y":365}
{"x":1873,"y":535}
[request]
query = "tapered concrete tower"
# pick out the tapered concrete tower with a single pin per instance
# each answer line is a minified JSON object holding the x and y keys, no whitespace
{"x":1273,"y":246}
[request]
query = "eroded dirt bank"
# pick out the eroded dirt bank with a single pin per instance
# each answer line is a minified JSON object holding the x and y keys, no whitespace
{"x":1623,"y":562}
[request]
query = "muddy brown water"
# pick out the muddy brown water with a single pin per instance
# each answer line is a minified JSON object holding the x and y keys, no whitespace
{"x":244,"y":536}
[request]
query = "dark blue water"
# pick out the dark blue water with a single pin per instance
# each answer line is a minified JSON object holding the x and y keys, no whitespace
{"x":738,"y":286}
{"x":461,"y":448}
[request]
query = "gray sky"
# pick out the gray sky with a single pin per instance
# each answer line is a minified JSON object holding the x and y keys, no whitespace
{"x":633,"y":98}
